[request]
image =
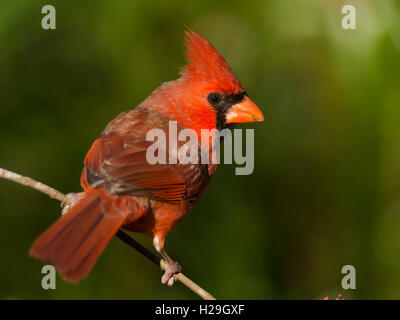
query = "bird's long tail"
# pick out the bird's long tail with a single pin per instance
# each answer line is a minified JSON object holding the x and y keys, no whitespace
{"x":75,"y":241}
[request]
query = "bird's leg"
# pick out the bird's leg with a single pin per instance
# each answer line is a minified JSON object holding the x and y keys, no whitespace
{"x":173,"y":267}
{"x":72,"y":199}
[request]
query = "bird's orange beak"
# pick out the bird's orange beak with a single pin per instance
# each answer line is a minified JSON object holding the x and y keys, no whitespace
{"x":244,"y":111}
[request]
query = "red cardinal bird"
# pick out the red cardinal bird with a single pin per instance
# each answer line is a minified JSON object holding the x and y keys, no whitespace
{"x":122,"y":190}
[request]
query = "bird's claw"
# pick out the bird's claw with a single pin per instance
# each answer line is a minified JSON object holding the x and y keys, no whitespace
{"x":172,"y":269}
{"x":72,"y":199}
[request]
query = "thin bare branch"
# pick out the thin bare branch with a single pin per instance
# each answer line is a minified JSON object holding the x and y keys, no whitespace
{"x":29,"y":182}
{"x":55,"y":194}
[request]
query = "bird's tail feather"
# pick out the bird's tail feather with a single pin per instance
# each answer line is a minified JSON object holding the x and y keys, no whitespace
{"x":75,"y":241}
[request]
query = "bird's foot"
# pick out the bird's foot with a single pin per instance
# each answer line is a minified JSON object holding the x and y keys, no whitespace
{"x":173,"y":268}
{"x":72,"y":199}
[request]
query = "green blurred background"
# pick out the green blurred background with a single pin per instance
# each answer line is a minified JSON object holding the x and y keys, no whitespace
{"x":326,"y":187}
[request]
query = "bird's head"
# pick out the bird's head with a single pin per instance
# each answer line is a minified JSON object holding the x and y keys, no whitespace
{"x":213,"y":85}
{"x":208,"y":95}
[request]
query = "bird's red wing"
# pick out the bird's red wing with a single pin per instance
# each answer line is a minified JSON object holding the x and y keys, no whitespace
{"x":130,"y":173}
{"x":117,"y":161}
{"x":126,"y":171}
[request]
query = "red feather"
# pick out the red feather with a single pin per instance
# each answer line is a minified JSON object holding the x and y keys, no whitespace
{"x":206,"y":64}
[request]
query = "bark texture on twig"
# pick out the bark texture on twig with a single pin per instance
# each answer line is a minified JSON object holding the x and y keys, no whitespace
{"x":55,"y":194}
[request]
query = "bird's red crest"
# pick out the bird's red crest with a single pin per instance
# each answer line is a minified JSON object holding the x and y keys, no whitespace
{"x":206,"y":64}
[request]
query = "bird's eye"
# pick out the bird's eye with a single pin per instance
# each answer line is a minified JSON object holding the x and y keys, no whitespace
{"x":214,"y":98}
